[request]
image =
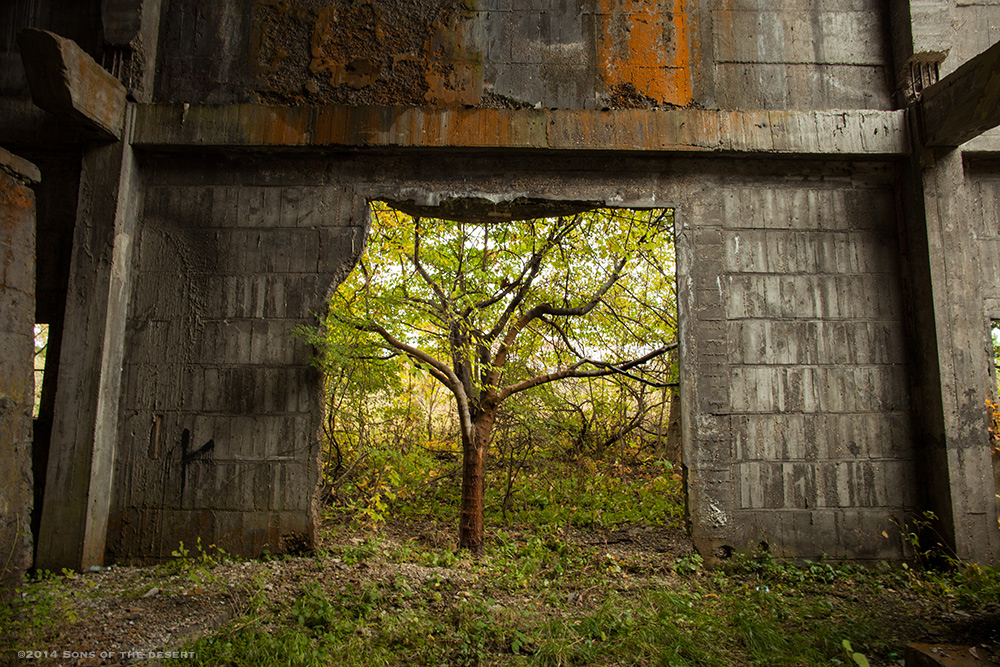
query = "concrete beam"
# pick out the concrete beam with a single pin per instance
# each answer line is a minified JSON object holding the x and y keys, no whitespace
{"x":67,"y":82}
{"x":846,"y":133}
{"x":964,"y":104}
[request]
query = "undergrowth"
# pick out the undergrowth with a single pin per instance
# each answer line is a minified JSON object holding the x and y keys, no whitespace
{"x":544,"y":593}
{"x":583,"y":492}
{"x":548,"y":602}
{"x":551,"y":589}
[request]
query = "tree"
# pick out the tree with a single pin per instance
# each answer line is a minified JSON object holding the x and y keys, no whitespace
{"x":492,"y":309}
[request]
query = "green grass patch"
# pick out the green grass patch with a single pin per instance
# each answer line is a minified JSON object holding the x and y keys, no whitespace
{"x":538,"y":599}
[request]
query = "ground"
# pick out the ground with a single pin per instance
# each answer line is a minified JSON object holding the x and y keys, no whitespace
{"x":629,"y":594}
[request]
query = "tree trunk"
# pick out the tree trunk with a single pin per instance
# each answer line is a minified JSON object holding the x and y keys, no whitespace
{"x":673,"y":451}
{"x":470,"y":526}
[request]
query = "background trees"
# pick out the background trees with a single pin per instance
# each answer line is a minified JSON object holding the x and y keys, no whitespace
{"x":490,"y":311}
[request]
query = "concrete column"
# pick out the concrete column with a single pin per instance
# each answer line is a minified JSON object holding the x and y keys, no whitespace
{"x":85,"y":429}
{"x":17,"y":318}
{"x":957,"y":467}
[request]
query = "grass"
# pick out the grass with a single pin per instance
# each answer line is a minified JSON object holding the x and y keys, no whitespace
{"x":546,"y":603}
{"x":555,"y":587}
{"x":543,"y":595}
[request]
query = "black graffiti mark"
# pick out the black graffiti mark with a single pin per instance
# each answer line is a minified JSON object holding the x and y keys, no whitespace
{"x":188,"y":456}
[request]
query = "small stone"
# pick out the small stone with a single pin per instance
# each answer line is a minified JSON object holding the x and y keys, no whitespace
{"x":312,"y":87}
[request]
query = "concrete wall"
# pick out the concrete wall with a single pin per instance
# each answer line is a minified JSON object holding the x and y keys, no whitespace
{"x":980,"y":265}
{"x":17,"y":355}
{"x":798,"y":424}
{"x":796,"y":369}
{"x":221,"y":408}
{"x":743,"y":54}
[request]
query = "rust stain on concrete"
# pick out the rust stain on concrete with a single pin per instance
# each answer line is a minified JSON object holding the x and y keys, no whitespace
{"x":13,"y":196}
{"x":338,"y":44}
{"x":644,"y":49}
{"x":409,"y":52}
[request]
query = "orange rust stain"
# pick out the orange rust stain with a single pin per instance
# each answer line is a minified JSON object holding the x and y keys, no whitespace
{"x":284,"y":126}
{"x":365,"y":45}
{"x":338,"y":34}
{"x":452,"y":73}
{"x":14,"y":197}
{"x":646,"y":47}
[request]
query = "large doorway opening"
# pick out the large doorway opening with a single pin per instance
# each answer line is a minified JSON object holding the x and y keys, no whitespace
{"x":506,"y":365}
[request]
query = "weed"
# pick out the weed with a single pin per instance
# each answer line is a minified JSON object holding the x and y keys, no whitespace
{"x":254,"y":647}
{"x":360,"y":551}
{"x":314,"y":610}
{"x":689,"y":564}
{"x":38,"y":608}
{"x":920,"y":533}
{"x":196,"y":567}
{"x":853,"y":656}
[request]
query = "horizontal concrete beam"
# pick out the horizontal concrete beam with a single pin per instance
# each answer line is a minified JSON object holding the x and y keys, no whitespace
{"x":965,"y":103}
{"x":681,"y":130}
{"x":67,"y":82}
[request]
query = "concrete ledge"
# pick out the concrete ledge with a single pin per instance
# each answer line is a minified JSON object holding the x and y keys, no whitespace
{"x":847,"y":133}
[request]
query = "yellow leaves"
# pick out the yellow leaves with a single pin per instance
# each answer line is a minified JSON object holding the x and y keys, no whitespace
{"x":993,"y":412}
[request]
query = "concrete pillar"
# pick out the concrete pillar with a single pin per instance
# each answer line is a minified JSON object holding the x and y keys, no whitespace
{"x":957,"y":466}
{"x":17,"y":318}
{"x":85,"y":428}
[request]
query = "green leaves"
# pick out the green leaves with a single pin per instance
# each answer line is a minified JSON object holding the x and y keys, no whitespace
{"x":857,"y":658}
{"x":491,"y":310}
{"x":501,"y":302}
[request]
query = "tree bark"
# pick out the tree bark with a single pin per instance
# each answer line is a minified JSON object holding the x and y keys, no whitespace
{"x":470,"y":531}
{"x":673,"y":451}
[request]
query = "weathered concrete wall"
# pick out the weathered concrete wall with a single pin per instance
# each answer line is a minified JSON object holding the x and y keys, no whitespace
{"x":55,"y":215}
{"x":985,"y":201}
{"x":975,"y":27}
{"x":503,"y":53}
{"x":221,"y":408}
{"x":17,"y":355}
{"x":799,"y":418}
{"x":797,"y":413}
{"x":799,"y":55}
{"x":961,"y":231}
{"x":84,"y":432}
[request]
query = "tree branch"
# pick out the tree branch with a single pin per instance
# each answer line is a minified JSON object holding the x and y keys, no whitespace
{"x":529,"y":273}
{"x":445,"y":302}
{"x":548,"y":309}
{"x":574,"y":371}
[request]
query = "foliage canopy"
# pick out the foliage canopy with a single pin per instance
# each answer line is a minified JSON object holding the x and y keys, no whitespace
{"x":492,"y":309}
